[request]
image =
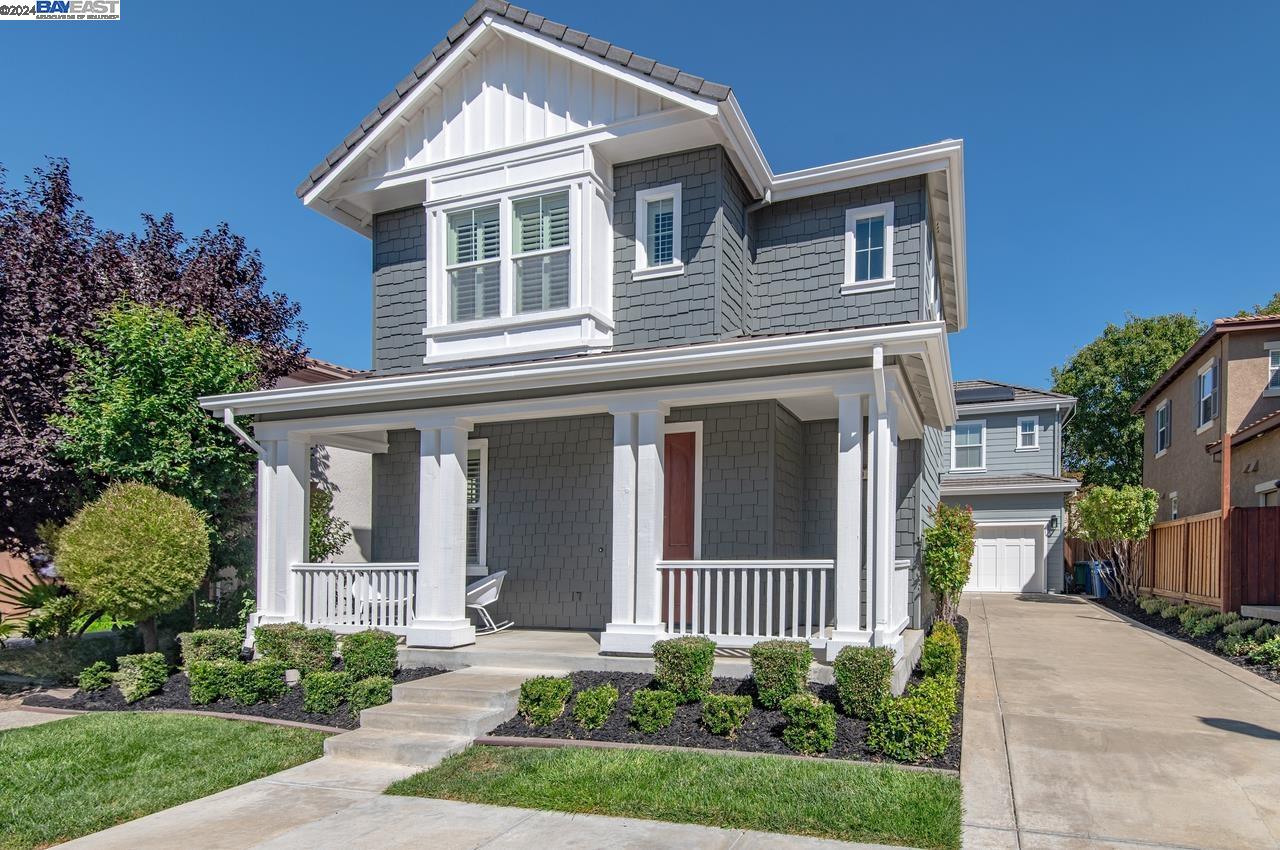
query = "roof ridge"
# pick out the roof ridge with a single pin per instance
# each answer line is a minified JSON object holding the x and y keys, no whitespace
{"x":1025,"y":389}
{"x":605,"y":50}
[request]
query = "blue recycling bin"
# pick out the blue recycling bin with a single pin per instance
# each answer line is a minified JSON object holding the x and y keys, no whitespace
{"x":1098,"y":586}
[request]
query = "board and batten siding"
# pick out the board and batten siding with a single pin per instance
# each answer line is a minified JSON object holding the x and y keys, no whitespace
{"x":1002,"y":456}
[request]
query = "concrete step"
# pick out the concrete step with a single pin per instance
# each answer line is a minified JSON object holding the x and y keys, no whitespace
{"x":438,"y":719}
{"x":480,"y":687}
{"x":411,"y":749}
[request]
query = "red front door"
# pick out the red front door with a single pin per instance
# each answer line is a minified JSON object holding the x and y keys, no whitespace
{"x":679,"y":474}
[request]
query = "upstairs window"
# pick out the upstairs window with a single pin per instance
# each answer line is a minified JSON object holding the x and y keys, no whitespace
{"x":1028,"y":433}
{"x":540,"y":252}
{"x":1273,"y":366}
{"x":472,"y":262}
{"x":1207,"y":394}
{"x":969,"y":446}
{"x":1162,"y":428}
{"x":868,"y":248}
{"x":658,"y":232}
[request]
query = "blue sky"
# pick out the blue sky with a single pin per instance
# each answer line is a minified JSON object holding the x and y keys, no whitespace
{"x":1119,"y":156}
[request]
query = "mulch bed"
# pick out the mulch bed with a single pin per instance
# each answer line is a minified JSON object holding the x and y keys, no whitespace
{"x":762,"y":732}
{"x":1173,"y":629}
{"x":176,"y":693}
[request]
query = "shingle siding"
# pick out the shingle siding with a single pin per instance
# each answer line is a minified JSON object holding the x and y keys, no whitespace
{"x":820,"y":458}
{"x":788,"y":484}
{"x":399,"y":290}
{"x":395,"y":499}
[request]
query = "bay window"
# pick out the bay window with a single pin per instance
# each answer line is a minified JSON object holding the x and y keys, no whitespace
{"x":472,"y":264}
{"x":540,"y":252}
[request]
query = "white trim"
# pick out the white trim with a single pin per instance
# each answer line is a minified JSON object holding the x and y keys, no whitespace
{"x":982,"y":444}
{"x":642,"y":269}
{"x":1264,"y":489}
{"x":1214,"y":394}
{"x":1035,"y":434}
{"x":1045,"y":403}
{"x":1272,"y":347}
{"x":962,"y":488}
{"x":696,"y":429}
{"x":851,"y":218}
{"x":1167,"y":406}
{"x":480,"y":567}
{"x":1042,"y":545}
{"x":1173,"y":504}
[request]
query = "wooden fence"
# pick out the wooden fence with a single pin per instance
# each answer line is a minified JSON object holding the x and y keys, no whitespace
{"x":1254,"y":552}
{"x":1184,"y":559}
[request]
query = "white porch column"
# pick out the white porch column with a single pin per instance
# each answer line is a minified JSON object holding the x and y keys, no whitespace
{"x":882,"y":522}
{"x":848,"y":629}
{"x":284,"y":477}
{"x":637,"y":529}
{"x":439,"y":602}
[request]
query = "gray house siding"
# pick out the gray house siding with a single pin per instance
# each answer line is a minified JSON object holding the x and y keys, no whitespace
{"x":788,"y":484}
{"x":798,"y":248}
{"x":820,"y":449}
{"x":734,"y":274}
{"x":1032,"y":507}
{"x":395,"y":499}
{"x":1002,"y":455}
{"x":399,"y":290}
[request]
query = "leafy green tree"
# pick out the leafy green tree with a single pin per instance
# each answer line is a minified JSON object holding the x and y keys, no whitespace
{"x":135,"y":553}
{"x":1104,"y":439}
{"x":328,"y":533}
{"x":1271,"y":308}
{"x":1114,"y":523}
{"x":948,"y":549}
{"x":133,"y":413}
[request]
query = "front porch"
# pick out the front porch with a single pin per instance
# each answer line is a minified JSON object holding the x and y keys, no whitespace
{"x":741,"y":510}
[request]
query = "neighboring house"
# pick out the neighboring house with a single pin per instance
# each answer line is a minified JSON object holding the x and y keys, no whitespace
{"x":1004,"y":459}
{"x":663,"y":388}
{"x":347,"y":474}
{"x":1227,"y":383}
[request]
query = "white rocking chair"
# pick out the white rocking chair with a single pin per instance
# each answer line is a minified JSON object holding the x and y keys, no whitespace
{"x":485,"y":592}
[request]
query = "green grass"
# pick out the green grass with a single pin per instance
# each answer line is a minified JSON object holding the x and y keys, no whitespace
{"x":72,"y":777}
{"x":826,"y":799}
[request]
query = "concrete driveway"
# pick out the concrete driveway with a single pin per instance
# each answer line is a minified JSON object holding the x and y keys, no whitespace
{"x":1085,"y":730}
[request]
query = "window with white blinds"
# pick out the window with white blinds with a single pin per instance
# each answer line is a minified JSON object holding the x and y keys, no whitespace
{"x":473,"y":264}
{"x":540,"y":253}
{"x":477,"y":501}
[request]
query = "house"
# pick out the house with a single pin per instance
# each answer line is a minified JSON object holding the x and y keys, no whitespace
{"x":1003,"y":458}
{"x":1227,"y":385}
{"x":663,"y":388}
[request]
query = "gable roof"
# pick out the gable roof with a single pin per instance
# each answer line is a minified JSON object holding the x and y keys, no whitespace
{"x":1256,"y":428}
{"x":536,"y":23}
{"x":1018,"y":396}
{"x":1207,"y":339}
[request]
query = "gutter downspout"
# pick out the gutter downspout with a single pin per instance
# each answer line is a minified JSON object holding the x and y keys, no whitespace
{"x":229,"y":419}
{"x":762,"y":203}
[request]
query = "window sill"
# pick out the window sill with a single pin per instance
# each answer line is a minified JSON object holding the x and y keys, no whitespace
{"x":878,"y":285}
{"x":1161,"y":454}
{"x":1206,"y":426}
{"x":1027,"y":449}
{"x":478,"y":570}
{"x":967,"y":470}
{"x":669,"y":270}
{"x":1271,"y":392}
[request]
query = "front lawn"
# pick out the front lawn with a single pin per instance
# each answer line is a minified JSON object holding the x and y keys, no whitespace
{"x":72,"y":777}
{"x":849,"y":802}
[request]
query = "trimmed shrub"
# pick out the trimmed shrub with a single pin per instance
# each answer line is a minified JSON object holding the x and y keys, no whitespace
{"x":1267,"y":653}
{"x":323,"y":691}
{"x":811,"y":724}
{"x":940,"y":691}
{"x":370,"y":653}
{"x":302,"y":649}
{"x":940,"y":655}
{"x":652,"y":711}
{"x":141,"y":675}
{"x":683,"y":666}
{"x":366,"y":693}
{"x":1151,"y":604}
{"x":258,"y":681}
{"x":594,"y":705}
{"x":780,"y":668}
{"x":1237,"y":646}
{"x":210,"y":645}
{"x":1208,"y":625}
{"x":864,"y":679}
{"x":724,"y":714}
{"x":542,"y":698}
{"x":1265,"y":633}
{"x":1242,"y":627}
{"x":96,"y":677}
{"x":1173,"y":612}
{"x":911,"y":727}
{"x":210,"y":680}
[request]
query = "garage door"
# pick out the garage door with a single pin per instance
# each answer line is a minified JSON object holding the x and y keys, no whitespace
{"x":1004,"y":560}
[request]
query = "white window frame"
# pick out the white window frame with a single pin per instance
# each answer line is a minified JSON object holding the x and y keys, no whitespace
{"x":507,"y":315}
{"x":852,"y":216}
{"x":982,"y":445}
{"x":1203,"y":425}
{"x":1272,"y":347}
{"x":480,"y":568}
{"x":1035,"y":434}
{"x":1264,"y":489}
{"x":1173,"y":505}
{"x":1167,"y":408}
{"x":643,"y":270}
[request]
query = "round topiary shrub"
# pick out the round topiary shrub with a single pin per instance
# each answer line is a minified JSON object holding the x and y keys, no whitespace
{"x":683,"y":666}
{"x":134,"y":553}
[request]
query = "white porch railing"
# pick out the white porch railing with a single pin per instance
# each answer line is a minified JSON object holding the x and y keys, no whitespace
{"x":899,"y":595}
{"x":353,"y":597}
{"x":738,"y":603}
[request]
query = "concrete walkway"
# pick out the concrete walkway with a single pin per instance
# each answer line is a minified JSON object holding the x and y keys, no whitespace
{"x":336,"y":803}
{"x":1085,"y":730}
